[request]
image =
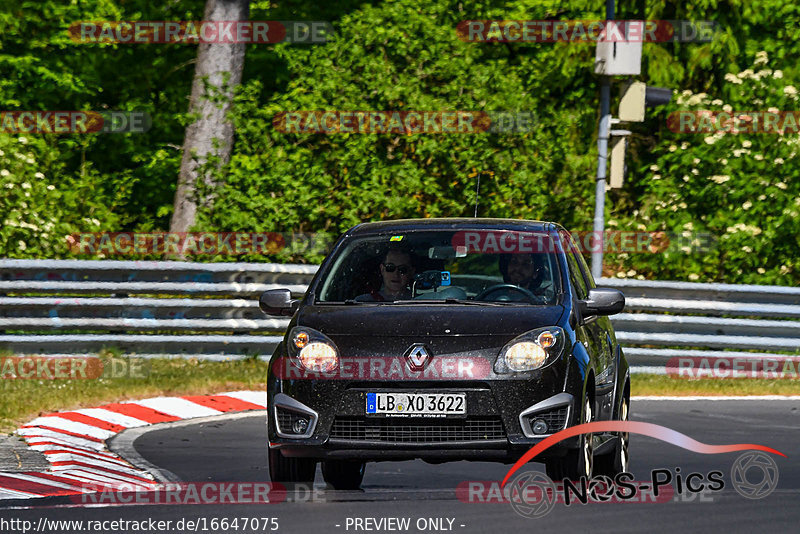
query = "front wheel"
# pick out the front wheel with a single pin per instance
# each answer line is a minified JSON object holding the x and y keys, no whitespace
{"x":343,"y":474}
{"x":616,"y":461}
{"x":577,"y":462}
{"x":283,"y":469}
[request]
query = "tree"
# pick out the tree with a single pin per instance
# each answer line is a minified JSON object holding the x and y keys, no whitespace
{"x":210,"y":137}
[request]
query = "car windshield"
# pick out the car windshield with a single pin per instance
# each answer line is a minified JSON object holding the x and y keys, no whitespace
{"x":479,"y":267}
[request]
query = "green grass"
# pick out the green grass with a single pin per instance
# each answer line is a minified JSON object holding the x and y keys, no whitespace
{"x":662,"y":385}
{"x":22,"y":399}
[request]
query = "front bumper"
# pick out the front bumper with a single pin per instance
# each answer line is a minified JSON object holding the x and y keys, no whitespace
{"x":489,"y":431}
{"x":501,"y":409}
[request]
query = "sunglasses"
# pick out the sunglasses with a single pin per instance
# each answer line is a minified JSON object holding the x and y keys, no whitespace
{"x":402,"y":269}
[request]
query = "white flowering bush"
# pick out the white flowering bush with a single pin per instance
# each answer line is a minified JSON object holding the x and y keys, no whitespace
{"x":743,"y":189}
{"x":40,"y":205}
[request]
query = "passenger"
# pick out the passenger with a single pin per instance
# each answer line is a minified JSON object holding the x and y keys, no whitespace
{"x":528,"y":271}
{"x":397,"y":273}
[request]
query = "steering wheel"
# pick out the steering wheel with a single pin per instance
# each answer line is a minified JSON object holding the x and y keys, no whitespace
{"x":507,"y":287}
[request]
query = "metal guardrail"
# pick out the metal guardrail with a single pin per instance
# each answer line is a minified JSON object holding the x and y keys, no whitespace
{"x":211,"y":311}
{"x":664,"y":320}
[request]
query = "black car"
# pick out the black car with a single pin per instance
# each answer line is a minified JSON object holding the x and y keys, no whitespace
{"x":446,"y":339}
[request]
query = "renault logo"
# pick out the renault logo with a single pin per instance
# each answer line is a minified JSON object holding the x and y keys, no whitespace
{"x":418,"y":357}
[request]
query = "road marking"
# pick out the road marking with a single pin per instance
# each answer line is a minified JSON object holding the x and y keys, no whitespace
{"x":48,"y":447}
{"x":224,"y":403}
{"x":178,"y":407}
{"x":717,"y":398}
{"x":40,"y":440}
{"x":6,"y":493}
{"x":61,"y":423}
{"x":74,"y":442}
{"x":256,"y":397}
{"x":38,"y":432}
{"x":59,"y":454}
{"x":91,"y":421}
{"x":69,"y":459}
{"x":33,"y":477}
{"x":112,"y":417}
{"x":82,"y":475}
{"x":132,"y":409}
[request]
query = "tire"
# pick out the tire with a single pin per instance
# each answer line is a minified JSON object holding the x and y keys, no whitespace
{"x":578,"y":462}
{"x":343,"y":474}
{"x":294,"y":470}
{"x":617,"y":460}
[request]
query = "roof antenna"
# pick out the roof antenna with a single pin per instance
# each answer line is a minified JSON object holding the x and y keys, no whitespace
{"x":477,"y":194}
{"x":478,"y":187}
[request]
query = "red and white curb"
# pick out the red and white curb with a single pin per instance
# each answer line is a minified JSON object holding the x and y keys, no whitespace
{"x":74,"y":443}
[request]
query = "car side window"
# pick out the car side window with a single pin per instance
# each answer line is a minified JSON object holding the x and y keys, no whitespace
{"x":587,"y":273}
{"x":575,"y":276}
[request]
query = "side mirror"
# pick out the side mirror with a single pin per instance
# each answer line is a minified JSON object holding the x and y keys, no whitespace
{"x":278,"y":302}
{"x":602,"y":301}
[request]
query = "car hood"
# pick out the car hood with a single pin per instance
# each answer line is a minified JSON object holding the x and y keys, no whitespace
{"x":399,"y":320}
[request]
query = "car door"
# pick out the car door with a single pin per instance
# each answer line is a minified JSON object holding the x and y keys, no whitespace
{"x":600,"y":331}
{"x":591,"y":333}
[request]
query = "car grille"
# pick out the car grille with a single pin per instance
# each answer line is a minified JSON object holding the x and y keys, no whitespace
{"x":555,"y":419}
{"x":417,"y":431}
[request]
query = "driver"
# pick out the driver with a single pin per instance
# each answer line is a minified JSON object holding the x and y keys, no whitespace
{"x":397,"y":272}
{"x":528,"y":271}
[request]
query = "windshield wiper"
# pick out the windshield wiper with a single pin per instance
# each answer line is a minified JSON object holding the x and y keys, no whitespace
{"x":449,"y":301}
{"x":472,"y":302}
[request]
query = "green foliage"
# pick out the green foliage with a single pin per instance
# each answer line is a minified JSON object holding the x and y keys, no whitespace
{"x":743,"y":189}
{"x":104,"y":182}
{"x":279,"y":181}
{"x":405,"y":55}
{"x":42,"y":204}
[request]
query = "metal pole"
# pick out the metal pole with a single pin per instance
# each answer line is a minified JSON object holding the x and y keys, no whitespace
{"x":602,"y":159}
{"x":600,"y":185}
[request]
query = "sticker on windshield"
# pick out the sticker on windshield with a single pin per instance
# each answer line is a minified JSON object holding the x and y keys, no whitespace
{"x":396,"y":238}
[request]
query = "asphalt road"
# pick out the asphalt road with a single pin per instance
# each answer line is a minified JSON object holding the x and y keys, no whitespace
{"x":234,"y":450}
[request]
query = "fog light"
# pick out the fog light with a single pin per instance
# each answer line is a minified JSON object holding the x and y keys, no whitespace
{"x":300,"y":426}
{"x":539,"y":426}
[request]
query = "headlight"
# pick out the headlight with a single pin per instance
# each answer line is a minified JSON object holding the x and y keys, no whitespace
{"x":525,"y":356}
{"x":531,"y":350}
{"x":319,"y":357}
{"x":312,"y":350}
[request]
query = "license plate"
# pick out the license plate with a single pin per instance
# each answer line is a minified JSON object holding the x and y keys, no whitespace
{"x":417,"y":404}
